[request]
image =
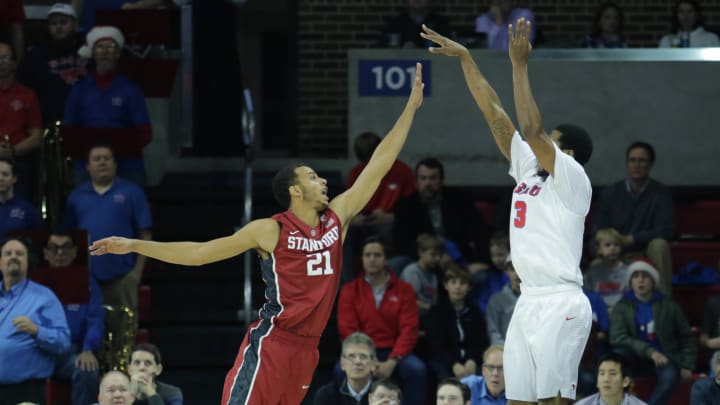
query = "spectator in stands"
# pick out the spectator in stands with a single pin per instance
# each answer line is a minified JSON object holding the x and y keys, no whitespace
{"x":107,"y":99}
{"x":87,"y":8}
{"x":382,"y":306}
{"x":452,"y":392}
{"x":434,"y":208}
{"x":52,"y":67}
{"x":377,"y":218}
{"x":21,"y":123}
{"x":455,"y":329}
{"x":108,"y":205}
{"x":403,"y":30}
{"x":651,"y":330}
{"x":607,"y":275}
{"x":422,"y":275}
{"x":385,"y":392}
{"x":607,"y":28}
{"x":707,"y":390}
{"x":33,"y":330}
{"x":687,"y":28}
{"x":357,"y":361}
{"x":144,"y":367}
{"x":86,"y":322}
{"x":613,"y":382}
{"x":16,"y":213}
{"x":489,"y":281}
{"x":501,"y":306}
{"x":12,"y":18}
{"x":641,"y":209}
{"x":495,"y":22}
{"x":488,"y":389}
{"x":115,"y":389}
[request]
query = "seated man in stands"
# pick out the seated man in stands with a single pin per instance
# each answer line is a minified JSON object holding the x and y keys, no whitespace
{"x":115,"y":389}
{"x":641,"y":209}
{"x":651,"y":331}
{"x":358,"y":362}
{"x":377,"y":217}
{"x":144,"y":366}
{"x":502,"y":305}
{"x":490,"y":387}
{"x":613,"y":382}
{"x":382,"y":306}
{"x":452,"y":392}
{"x":707,"y":390}
{"x":86,"y":321}
{"x":107,"y":99}
{"x":51,"y":68}
{"x":434,"y":208}
{"x":16,"y":213}
{"x":386,"y":392}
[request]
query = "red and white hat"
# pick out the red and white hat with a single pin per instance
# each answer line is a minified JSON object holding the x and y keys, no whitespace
{"x":98,"y":33}
{"x":643,"y":264}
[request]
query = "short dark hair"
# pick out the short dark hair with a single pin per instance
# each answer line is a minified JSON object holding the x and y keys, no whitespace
{"x":32,"y":256}
{"x":10,"y":162}
{"x":379,"y":241}
{"x":282,"y":181}
{"x":577,"y":139}
{"x":61,"y":233}
{"x":699,"y":20}
{"x":146,"y":347}
{"x":618,"y":358}
{"x":644,"y":145}
{"x":387,"y":383}
{"x":98,"y":145}
{"x":456,"y":383}
{"x":431,"y":163}
{"x":365,"y":144}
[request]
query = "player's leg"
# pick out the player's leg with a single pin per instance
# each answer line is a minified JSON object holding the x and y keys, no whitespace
{"x":518,"y":364}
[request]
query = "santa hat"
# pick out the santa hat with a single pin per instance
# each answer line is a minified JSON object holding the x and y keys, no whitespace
{"x":98,"y":33}
{"x":642,"y":264}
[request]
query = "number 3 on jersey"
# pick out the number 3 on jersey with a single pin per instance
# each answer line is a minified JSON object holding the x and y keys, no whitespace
{"x":520,"y":211}
{"x":319,"y":264}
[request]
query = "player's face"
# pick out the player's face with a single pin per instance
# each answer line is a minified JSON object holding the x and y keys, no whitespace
{"x":687,"y":16}
{"x":61,"y":26}
{"x":429,"y":181}
{"x":430,"y":258}
{"x":642,"y":284}
{"x":7,"y":179}
{"x":373,"y":258}
{"x":449,"y":395}
{"x":498,"y":256}
{"x":115,"y":390}
{"x":610,"y":20}
{"x":638,"y":164}
{"x":608,"y":249}
{"x":492,"y":371}
{"x":357,"y":361}
{"x":610,"y":381}
{"x":60,"y":251}
{"x":314,"y":188}
{"x":457,"y":289}
{"x":13,"y":262}
{"x":384,"y":396}
{"x":143,"y":362}
{"x":101,"y":164}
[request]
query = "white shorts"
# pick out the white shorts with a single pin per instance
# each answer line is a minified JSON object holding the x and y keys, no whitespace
{"x":545,"y":341}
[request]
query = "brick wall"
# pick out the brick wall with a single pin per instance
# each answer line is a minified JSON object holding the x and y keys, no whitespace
{"x":327,"y":28}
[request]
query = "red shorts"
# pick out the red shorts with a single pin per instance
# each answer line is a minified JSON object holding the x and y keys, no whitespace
{"x":273,"y":367}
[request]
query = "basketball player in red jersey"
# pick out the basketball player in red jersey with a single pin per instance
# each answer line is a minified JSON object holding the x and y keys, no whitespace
{"x":301,"y":253}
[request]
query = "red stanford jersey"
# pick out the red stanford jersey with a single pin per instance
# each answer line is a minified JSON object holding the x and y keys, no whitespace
{"x":303,"y":273}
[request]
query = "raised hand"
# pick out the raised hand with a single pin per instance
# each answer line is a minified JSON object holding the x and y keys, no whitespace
{"x":446,"y":46}
{"x":520,"y":46}
{"x":416,"y":95}
{"x":113,"y":244}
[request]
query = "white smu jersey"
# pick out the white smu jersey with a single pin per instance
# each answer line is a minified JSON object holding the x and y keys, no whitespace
{"x":547,"y":218}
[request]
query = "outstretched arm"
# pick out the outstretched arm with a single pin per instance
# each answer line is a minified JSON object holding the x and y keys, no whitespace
{"x":528,"y":115}
{"x":261,"y":234}
{"x":349,"y":203}
{"x":485,"y":96}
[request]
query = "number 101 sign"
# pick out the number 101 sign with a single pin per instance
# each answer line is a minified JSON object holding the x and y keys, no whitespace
{"x":390,"y":77}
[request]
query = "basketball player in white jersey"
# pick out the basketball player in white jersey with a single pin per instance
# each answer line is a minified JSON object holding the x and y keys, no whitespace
{"x":551,"y":322}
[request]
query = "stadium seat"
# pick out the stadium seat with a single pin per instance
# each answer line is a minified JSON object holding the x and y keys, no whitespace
{"x":486,"y":209}
{"x":58,"y":392}
{"x":697,"y":218}
{"x":704,"y":252}
{"x":692,"y":300}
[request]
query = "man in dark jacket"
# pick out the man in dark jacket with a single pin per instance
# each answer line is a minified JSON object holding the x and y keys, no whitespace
{"x":357,"y":361}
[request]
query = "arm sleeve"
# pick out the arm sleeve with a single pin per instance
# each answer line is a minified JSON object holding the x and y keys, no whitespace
{"x":493,"y":322}
{"x":95,"y":318}
{"x":409,"y":319}
{"x":522,"y":159}
{"x":53,"y":333}
{"x":688,"y":345}
{"x":571,"y":183}
{"x":348,"y":321}
{"x":478,"y":336}
{"x":663,"y":220}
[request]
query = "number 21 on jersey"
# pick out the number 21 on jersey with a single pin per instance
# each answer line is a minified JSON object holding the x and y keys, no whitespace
{"x":319,"y":264}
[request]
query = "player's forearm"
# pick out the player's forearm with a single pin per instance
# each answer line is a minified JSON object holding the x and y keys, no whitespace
{"x":528,"y":114}
{"x":485,"y":96}
{"x":388,"y":150}
{"x":184,"y":253}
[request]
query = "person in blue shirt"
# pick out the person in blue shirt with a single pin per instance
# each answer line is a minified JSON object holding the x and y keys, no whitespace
{"x":33,"y":329}
{"x":16,"y":213}
{"x":488,"y":389}
{"x":86,"y":322}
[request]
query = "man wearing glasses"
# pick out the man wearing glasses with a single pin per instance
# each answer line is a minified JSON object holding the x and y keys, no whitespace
{"x":79,"y":365}
{"x":488,"y":389}
{"x":357,"y":361}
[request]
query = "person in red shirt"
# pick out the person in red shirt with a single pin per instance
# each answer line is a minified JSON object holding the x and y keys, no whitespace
{"x":20,"y":120}
{"x":377,"y":217}
{"x":383,"y":307}
{"x":12,"y":18}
